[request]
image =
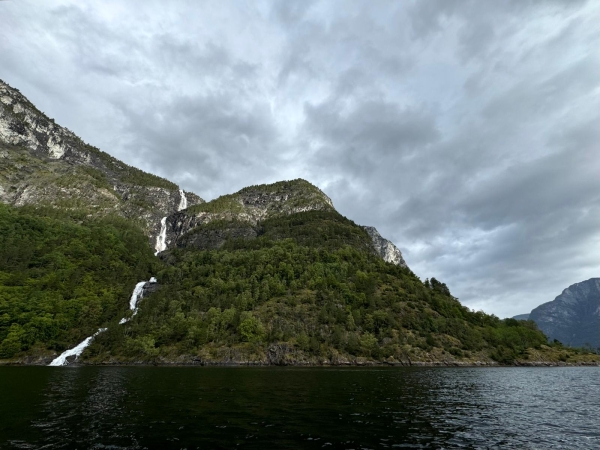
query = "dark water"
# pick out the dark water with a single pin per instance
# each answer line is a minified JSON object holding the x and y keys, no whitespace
{"x":113,"y":408}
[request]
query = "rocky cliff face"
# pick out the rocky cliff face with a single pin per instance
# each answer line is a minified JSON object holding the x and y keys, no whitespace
{"x":574,"y":316}
{"x":384,"y":248}
{"x":44,"y":163}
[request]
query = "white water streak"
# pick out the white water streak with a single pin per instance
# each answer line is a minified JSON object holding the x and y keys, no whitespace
{"x":182,"y":200}
{"x":138,"y":293}
{"x":161,"y":239}
{"x":75,"y":351}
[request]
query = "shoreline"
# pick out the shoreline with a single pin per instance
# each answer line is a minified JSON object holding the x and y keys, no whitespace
{"x":356,"y":364}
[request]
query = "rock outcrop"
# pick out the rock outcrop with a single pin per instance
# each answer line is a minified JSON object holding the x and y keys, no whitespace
{"x":42,"y":163}
{"x":573,"y":317}
{"x":384,"y":248}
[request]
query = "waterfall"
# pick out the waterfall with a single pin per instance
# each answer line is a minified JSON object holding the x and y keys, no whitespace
{"x":138,"y":293}
{"x":75,"y":351}
{"x":161,"y":239}
{"x":182,"y":200}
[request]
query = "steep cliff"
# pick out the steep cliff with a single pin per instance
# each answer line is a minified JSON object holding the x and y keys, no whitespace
{"x":573,"y":317}
{"x":384,"y":248}
{"x":42,"y":163}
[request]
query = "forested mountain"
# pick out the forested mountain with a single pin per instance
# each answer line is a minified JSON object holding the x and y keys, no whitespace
{"x":272,"y":274}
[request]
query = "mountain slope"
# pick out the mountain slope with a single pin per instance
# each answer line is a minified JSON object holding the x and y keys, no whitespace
{"x":272,"y":274}
{"x":253,"y":212}
{"x":42,"y":163}
{"x":521,"y":317}
{"x":62,"y":276}
{"x":573,"y":317}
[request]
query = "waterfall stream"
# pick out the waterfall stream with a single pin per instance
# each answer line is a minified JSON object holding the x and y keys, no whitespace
{"x":136,"y":296}
{"x":75,"y":351}
{"x":161,"y":239}
{"x":182,"y":200}
{"x":138,"y":292}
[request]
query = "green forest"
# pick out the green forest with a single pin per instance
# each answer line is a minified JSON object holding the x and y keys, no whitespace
{"x":62,"y":276}
{"x":309,"y":283}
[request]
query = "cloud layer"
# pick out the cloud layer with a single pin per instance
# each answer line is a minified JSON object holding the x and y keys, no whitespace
{"x":465,"y":131}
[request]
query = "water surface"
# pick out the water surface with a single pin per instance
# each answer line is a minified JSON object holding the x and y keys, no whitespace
{"x":377,"y":408}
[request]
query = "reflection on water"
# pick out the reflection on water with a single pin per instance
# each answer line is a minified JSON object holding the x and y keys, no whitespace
{"x":87,"y":407}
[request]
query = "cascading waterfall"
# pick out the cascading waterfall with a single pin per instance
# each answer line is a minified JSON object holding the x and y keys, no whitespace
{"x":75,"y":351}
{"x":138,"y":293}
{"x":182,"y":200}
{"x":161,"y":239}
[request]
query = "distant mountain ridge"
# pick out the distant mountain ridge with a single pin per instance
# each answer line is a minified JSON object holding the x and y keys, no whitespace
{"x":573,"y":317}
{"x":521,"y":317}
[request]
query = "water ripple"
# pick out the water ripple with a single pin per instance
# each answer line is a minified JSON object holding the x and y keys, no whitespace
{"x":420,"y":408}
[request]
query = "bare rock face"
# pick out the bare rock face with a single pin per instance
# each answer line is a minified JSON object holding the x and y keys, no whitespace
{"x":573,"y":317}
{"x":384,"y":248}
{"x":43,"y":163}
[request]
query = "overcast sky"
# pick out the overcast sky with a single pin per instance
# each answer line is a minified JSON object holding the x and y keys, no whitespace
{"x":467,"y":132}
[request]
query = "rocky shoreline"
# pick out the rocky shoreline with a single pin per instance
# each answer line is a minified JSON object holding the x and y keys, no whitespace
{"x":358,"y":362}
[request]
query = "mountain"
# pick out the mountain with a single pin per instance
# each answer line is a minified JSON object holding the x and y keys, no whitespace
{"x":247,"y":214}
{"x":521,"y":317}
{"x":42,"y":163}
{"x":573,"y":317}
{"x":271,"y":274}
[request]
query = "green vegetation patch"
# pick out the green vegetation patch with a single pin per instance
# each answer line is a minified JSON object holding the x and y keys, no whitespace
{"x":299,"y":293}
{"x":224,"y":204}
{"x":291,"y":186}
{"x":62,"y":276}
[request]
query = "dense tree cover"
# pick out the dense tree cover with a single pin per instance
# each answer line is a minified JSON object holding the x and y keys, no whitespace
{"x":63,"y":275}
{"x":307,"y":281}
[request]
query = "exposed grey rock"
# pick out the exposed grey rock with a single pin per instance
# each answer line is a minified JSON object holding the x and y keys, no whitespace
{"x":150,"y":288}
{"x":574,"y":316}
{"x":44,"y":163}
{"x":384,"y":248}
